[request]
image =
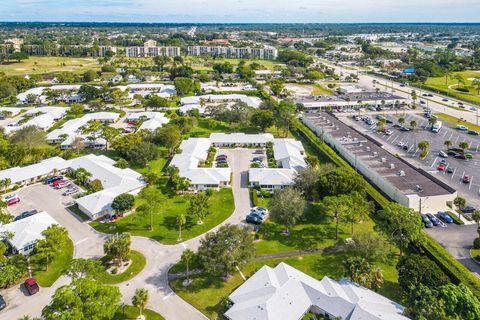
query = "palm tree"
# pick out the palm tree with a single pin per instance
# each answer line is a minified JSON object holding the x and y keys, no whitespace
{"x":413,"y":125}
{"x":414,"y":96}
{"x":448,"y":143}
{"x":381,"y":125}
{"x":476,"y":216}
{"x":181,"y":221}
{"x":424,"y":145}
{"x":463,"y":145}
{"x":187,"y":257}
{"x":460,"y":203}
{"x":460,"y":79}
{"x":448,"y":75}
{"x":432,"y":121}
{"x":401,"y":121}
{"x":140,"y":299}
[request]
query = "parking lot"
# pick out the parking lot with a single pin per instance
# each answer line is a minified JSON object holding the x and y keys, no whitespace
{"x":405,"y":143}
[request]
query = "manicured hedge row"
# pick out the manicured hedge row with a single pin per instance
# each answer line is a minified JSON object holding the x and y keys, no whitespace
{"x":254,"y":197}
{"x":454,"y":269}
{"x":455,"y":218}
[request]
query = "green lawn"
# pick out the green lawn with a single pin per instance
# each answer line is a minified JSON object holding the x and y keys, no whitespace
{"x":137,"y":265}
{"x":206,"y":293}
{"x":79,"y":213}
{"x":475,"y":254}
{"x":202,"y":64}
{"x":449,"y":86}
{"x":455,"y":121}
{"x":41,"y":65}
{"x":56,"y":267}
{"x":131,"y":313}
{"x":319,"y":90}
{"x":316,"y":230}
{"x":165,"y":228}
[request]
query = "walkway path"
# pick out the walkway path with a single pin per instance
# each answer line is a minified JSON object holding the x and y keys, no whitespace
{"x":160,"y":257}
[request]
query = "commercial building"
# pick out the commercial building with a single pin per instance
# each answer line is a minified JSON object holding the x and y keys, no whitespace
{"x":399,"y":180}
{"x":286,"y":293}
{"x":150,"y":49}
{"x":268,"y":53}
{"x":115,"y":181}
{"x":27,"y":231}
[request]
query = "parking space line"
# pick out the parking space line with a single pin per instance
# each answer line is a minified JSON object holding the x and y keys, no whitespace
{"x":445,"y":133}
{"x":410,"y":149}
{"x":470,"y":184}
{"x":433,"y":163}
{"x":463,"y":175}
{"x":456,"y":140}
{"x":453,"y":174}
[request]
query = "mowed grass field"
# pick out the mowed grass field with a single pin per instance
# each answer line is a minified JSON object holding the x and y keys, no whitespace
{"x":449,"y":84}
{"x":202,"y":64}
{"x":41,"y":65}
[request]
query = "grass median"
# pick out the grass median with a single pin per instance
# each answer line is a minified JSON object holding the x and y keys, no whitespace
{"x":57,"y":266}
{"x":137,"y":265}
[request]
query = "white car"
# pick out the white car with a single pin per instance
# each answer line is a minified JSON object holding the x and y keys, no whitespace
{"x":70,"y":191}
{"x":400,"y":144}
{"x":388,"y":132}
{"x":10,"y":197}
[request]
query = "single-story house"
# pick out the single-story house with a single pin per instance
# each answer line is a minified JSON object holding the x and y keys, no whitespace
{"x":35,"y":172}
{"x":153,"y":120}
{"x":240,"y":139}
{"x":251,"y":101}
{"x":286,"y":293}
{"x":41,"y":117}
{"x":26,"y":232}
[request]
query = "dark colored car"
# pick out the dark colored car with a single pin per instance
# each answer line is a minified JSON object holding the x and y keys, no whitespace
{"x":253,"y":220}
{"x":445,"y":216}
{"x":468,"y":209}
{"x":53,"y":179}
{"x":404,"y":129}
{"x":3,"y":304}
{"x":466,"y":179}
{"x":452,"y":153}
{"x":450,"y":170}
{"x":405,"y":147}
{"x":460,"y":156}
{"x":258,"y":215}
{"x":25,"y":214}
{"x":472,"y":132}
{"x":31,"y":286}
{"x":434,"y":219}
{"x":427,"y":222}
{"x":457,"y":150}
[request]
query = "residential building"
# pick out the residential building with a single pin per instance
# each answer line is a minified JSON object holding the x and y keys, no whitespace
{"x":251,"y":101}
{"x":399,"y":180}
{"x":103,"y":50}
{"x":27,"y":231}
{"x":149,"y":120}
{"x":266,"y":52}
{"x":150,"y":49}
{"x":146,"y":89}
{"x":41,"y":117}
{"x":286,"y":293}
{"x":34,"y":173}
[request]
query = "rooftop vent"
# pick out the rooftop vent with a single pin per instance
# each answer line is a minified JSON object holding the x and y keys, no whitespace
{"x":401,"y":173}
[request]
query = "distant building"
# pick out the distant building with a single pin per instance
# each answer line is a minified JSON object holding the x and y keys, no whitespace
{"x":102,"y":50}
{"x":286,"y":293}
{"x":268,"y":53}
{"x":150,"y":49}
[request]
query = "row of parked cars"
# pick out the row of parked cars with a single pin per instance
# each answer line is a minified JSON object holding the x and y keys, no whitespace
{"x":11,"y":199}
{"x":430,"y":220}
{"x":59,"y":182}
{"x":257,"y":215}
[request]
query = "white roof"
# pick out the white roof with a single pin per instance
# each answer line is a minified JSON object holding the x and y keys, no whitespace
{"x":154,"y":119}
{"x":195,"y":150}
{"x":290,"y":153}
{"x":271,"y":176}
{"x":160,"y":89}
{"x":187,"y":107}
{"x":286,"y":293}
{"x":28,"y":230}
{"x":46,"y":119}
{"x":217,"y":98}
{"x":55,"y":112}
{"x":115,"y":181}
{"x":71,"y":127}
{"x":14,"y":111}
{"x":260,"y":138}
{"x":20,"y":174}
{"x":35,"y":91}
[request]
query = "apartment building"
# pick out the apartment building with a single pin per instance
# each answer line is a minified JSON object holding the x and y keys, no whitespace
{"x":150,"y":49}
{"x":268,"y":53}
{"x":102,"y":50}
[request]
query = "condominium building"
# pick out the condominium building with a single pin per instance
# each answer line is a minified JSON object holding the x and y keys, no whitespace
{"x":102,"y":50}
{"x":266,"y":52}
{"x":150,"y":49}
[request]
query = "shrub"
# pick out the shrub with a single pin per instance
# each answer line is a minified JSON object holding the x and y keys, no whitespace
{"x":463,"y":90}
{"x":254,"y":197}
{"x":115,"y":270}
{"x":476,"y":243}
{"x":209,"y":192}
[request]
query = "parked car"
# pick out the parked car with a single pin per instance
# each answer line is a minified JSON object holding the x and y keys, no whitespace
{"x":222,"y":156}
{"x":59,"y":184}
{"x":388,"y":132}
{"x":53,"y":179}
{"x":258,"y":151}
{"x":473,"y":132}
{"x":400,"y":144}
{"x":443,"y":161}
{"x":31,"y":286}
{"x":404,"y":129}
{"x":445,"y":216}
{"x":434,"y":219}
{"x":443,"y":154}
{"x":460,"y":156}
{"x":426,"y":222}
{"x":466,"y":179}
{"x":253,"y":220}
{"x":450,"y":169}
{"x":468,"y":209}
{"x":452,"y":153}
{"x":10,"y":197}
{"x":461,"y":127}
{"x":405,"y":147}
{"x":469,"y":155}
{"x":457,"y":150}
{"x":441,"y":167}
{"x":25,"y":214}
{"x":445,"y":100}
{"x":257,"y":215}
{"x":262,"y":209}
{"x":70,"y":191}
{"x":3,"y":304}
{"x":13,"y":201}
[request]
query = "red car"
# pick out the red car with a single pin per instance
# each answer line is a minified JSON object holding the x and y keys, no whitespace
{"x":57,"y":183}
{"x":466,"y":179}
{"x":441,"y":167}
{"x":31,"y":286}
{"x":13,"y":201}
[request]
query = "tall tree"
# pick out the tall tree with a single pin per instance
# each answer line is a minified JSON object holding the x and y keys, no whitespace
{"x":286,"y":207}
{"x":140,"y":299}
{"x":198,"y":206}
{"x":117,"y":247}
{"x":181,"y":221}
{"x":187,"y":257}
{"x":55,"y":239}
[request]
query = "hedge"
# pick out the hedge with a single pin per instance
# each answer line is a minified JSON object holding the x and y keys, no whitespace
{"x":254,"y":196}
{"x":455,"y":218}
{"x":454,"y":269}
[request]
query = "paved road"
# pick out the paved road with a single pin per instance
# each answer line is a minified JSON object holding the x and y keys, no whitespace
{"x":160,"y":258}
{"x":458,"y":241}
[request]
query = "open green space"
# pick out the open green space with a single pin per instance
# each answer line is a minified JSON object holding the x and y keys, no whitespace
{"x":79,"y":213}
{"x":205,"y":64}
{"x":453,"y":121}
{"x":56,"y":267}
{"x":448,"y":85}
{"x":137,"y":265}
{"x":131,"y":313}
{"x":208,"y":293}
{"x":165,"y":229}
{"x":41,"y":65}
{"x":319,"y":90}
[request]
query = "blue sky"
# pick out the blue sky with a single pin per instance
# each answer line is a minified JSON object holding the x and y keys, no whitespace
{"x":241,"y":10}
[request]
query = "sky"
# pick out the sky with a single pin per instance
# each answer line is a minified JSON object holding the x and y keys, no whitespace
{"x":248,"y":11}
